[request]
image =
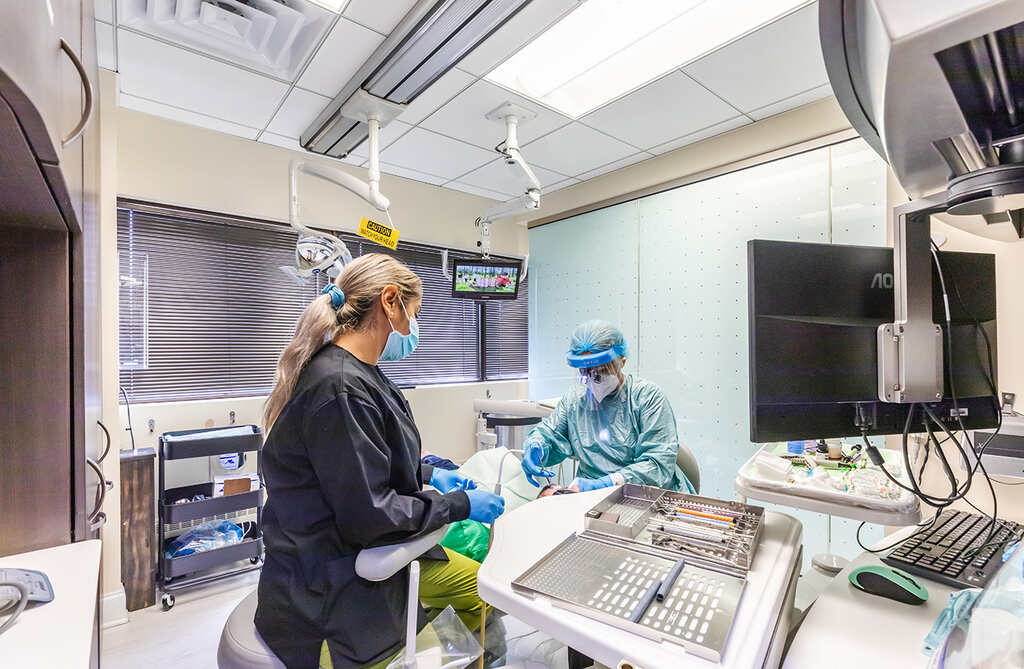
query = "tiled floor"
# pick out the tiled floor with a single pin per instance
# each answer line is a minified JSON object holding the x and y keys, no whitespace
{"x":186,"y":637}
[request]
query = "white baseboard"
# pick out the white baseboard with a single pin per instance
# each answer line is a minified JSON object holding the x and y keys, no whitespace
{"x":113,"y":609}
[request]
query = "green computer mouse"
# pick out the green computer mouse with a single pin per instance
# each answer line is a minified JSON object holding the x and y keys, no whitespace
{"x":888,"y":582}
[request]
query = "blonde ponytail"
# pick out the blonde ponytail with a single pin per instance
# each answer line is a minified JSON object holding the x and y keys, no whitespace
{"x":362,"y":281}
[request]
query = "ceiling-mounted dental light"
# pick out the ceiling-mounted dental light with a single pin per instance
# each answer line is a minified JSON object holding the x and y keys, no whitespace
{"x":317,"y":253}
{"x":433,"y":37}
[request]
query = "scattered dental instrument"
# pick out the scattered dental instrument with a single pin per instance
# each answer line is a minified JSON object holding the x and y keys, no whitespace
{"x":670,"y":580}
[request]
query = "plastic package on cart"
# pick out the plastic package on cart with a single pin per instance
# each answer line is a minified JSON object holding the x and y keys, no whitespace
{"x":207,"y":536}
{"x":992,"y":635}
{"x":446,"y":643}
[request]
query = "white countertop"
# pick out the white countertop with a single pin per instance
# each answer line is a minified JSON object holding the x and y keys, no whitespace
{"x":60,"y":633}
{"x":525,"y":535}
{"x":877,"y":632}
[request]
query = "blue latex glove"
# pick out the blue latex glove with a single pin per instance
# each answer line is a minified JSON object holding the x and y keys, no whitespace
{"x":533,"y":457}
{"x":586,"y":485}
{"x":485,"y":507}
{"x":447,"y":481}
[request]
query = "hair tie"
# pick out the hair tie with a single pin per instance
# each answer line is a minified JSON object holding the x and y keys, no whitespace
{"x":337,"y":295}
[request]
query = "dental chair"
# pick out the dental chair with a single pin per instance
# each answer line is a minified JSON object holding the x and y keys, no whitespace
{"x":241,"y":646}
{"x":688,"y":463}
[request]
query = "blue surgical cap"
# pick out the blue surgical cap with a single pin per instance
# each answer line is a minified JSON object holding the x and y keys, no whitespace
{"x":595,"y":343}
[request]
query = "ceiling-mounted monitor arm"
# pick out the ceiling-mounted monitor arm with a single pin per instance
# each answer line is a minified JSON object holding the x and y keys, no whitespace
{"x":509,"y":149}
{"x":910,"y":349}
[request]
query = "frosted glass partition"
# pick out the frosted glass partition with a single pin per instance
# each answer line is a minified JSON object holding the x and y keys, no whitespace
{"x":673,"y":268}
{"x":580,"y":268}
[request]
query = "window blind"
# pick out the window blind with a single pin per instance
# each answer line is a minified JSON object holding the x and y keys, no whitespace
{"x":205,"y":312}
{"x":506,"y":340}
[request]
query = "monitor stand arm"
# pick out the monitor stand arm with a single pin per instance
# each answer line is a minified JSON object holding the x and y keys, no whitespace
{"x":910,"y":349}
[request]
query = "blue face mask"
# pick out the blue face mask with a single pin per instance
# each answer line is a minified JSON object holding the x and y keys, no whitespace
{"x":400,"y":346}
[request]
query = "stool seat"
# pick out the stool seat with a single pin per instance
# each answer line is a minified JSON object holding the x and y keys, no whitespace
{"x":241,"y":646}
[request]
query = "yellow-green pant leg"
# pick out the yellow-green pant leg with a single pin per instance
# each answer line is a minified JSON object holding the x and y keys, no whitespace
{"x":454,"y":583}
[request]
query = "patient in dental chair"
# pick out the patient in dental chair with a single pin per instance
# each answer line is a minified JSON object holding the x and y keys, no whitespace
{"x":471,"y":538}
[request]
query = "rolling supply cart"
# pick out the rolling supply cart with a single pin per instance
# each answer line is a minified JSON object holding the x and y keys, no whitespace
{"x":178,"y":573}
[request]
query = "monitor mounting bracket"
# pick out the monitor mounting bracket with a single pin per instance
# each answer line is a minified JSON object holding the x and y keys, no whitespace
{"x":910,"y":349}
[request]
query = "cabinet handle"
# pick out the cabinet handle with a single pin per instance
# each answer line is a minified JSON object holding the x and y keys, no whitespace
{"x":101,"y":491}
{"x":87,"y":113}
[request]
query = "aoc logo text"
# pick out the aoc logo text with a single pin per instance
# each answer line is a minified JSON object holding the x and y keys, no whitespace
{"x":881,"y":280}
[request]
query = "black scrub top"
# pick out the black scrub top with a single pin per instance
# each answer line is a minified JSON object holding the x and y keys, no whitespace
{"x":342,"y":470}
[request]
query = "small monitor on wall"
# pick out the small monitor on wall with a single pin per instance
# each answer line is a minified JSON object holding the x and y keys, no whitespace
{"x":478,"y":279}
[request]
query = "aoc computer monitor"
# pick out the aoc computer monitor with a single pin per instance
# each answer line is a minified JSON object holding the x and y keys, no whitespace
{"x":486,"y":279}
{"x":814,"y":311}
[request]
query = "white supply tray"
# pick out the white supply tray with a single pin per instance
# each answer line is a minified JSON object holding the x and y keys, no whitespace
{"x":904,"y":510}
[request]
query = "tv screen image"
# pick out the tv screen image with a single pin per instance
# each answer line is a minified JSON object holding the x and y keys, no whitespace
{"x":482,"y":280}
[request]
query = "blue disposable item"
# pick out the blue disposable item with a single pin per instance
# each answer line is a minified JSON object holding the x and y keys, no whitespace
{"x":586,"y":485}
{"x":205,"y":537}
{"x":437,"y":461}
{"x":795,"y":447}
{"x":588,"y":360}
{"x":959,"y":605}
{"x":595,"y":337}
{"x":337,"y":295}
{"x":632,"y":433}
{"x":484,"y":506}
{"x":447,"y":481}
{"x":400,"y":346}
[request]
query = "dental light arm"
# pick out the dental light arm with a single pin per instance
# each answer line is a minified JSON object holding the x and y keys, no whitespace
{"x":317,"y":252}
{"x":528,"y":201}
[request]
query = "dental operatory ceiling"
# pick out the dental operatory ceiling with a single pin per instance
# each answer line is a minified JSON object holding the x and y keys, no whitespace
{"x":271,"y":90}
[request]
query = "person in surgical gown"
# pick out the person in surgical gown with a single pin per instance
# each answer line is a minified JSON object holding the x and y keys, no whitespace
{"x":619,"y":428}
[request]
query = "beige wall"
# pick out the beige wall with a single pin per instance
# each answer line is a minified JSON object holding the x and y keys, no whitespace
{"x":153,"y":159}
{"x":174,"y":163}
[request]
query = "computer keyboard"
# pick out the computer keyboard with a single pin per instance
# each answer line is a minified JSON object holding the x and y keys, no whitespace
{"x":948,"y":551}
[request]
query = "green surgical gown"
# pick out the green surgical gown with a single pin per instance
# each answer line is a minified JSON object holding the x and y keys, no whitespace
{"x":631,"y":432}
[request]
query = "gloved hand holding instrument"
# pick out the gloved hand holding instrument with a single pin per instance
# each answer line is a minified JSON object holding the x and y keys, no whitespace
{"x":533,"y":459}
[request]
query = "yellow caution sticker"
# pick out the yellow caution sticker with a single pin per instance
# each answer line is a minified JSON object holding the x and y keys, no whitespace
{"x":379,"y":232}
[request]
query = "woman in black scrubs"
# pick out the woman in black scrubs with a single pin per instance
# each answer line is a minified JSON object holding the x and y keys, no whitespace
{"x":342,"y":469}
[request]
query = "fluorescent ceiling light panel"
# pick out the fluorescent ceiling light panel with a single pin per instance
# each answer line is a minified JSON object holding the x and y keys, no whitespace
{"x":605,"y":48}
{"x":334,"y":5}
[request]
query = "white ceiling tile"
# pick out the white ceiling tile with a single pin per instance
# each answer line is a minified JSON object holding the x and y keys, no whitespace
{"x":103,"y":10}
{"x":563,"y":184}
{"x":380,"y":15}
{"x":464,"y":117}
{"x":342,"y":53}
{"x":166,"y":74}
{"x":473,"y":190}
{"x":499,"y":177}
{"x":409,"y":174}
{"x":389,"y":134}
{"x":453,"y":82}
{"x":704,"y":133}
{"x":185,"y":116}
{"x":531,"y":21}
{"x":300,"y":108}
{"x":106,"y":51}
{"x":775,"y":62}
{"x":575,"y":149}
{"x":617,"y":165}
{"x":293,"y":144}
{"x":670,"y":107}
{"x":797,"y":100}
{"x":428,"y":152}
